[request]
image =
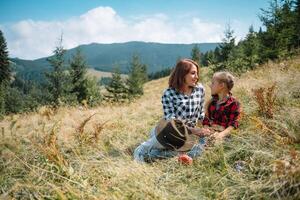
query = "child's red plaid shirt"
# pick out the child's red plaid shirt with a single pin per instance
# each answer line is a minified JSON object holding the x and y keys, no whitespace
{"x":225,"y":113}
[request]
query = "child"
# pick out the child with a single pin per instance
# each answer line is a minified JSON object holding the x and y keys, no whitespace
{"x":223,"y":109}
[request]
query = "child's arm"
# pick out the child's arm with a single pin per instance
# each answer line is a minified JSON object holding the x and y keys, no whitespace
{"x":221,"y":135}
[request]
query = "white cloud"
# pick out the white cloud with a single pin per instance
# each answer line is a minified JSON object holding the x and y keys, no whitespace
{"x":30,"y":39}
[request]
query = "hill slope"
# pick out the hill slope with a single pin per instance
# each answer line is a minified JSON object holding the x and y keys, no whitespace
{"x":69,"y":153}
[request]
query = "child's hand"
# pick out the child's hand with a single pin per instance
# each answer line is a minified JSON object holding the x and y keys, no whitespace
{"x":218,"y":137}
{"x":206,"y":131}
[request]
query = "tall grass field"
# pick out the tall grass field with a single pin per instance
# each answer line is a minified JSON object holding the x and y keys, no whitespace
{"x":86,"y":153}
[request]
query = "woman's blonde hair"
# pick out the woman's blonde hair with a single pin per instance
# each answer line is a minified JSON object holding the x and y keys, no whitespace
{"x":225,"y":77}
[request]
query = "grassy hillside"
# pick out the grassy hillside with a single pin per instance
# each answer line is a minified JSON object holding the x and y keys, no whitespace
{"x":101,"y":74}
{"x":81,"y":153}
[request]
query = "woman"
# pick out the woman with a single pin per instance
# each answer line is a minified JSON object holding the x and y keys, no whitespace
{"x":183,"y":100}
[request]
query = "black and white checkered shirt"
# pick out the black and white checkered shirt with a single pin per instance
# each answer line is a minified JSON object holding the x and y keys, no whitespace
{"x":188,"y":108}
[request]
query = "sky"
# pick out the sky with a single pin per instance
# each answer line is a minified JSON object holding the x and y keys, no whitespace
{"x":32,"y":28}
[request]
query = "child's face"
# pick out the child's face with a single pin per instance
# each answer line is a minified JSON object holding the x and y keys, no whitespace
{"x":216,"y":87}
{"x":191,"y":78}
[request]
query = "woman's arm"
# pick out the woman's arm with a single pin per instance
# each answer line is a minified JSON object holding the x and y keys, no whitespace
{"x":202,"y":110}
{"x":201,"y":132}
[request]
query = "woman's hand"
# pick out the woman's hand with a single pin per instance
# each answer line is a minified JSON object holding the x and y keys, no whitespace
{"x":202,"y":132}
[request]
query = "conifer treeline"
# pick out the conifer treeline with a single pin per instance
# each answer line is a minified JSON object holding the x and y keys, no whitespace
{"x":279,"y":39}
{"x":65,"y":84}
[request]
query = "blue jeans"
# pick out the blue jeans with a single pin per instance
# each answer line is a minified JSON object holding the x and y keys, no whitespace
{"x":151,"y":150}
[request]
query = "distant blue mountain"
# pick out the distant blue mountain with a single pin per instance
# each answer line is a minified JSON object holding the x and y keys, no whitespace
{"x":103,"y":57}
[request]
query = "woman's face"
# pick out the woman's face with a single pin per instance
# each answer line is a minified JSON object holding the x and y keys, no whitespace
{"x":191,"y":78}
{"x":215,"y":86}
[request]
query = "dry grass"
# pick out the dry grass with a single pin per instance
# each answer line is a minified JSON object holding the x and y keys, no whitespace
{"x":101,"y":74}
{"x":265,"y":98}
{"x":79,"y":153}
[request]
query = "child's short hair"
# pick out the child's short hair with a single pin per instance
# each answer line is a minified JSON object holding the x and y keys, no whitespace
{"x":225,"y":77}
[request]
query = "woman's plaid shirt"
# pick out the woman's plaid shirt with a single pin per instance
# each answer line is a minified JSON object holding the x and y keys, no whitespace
{"x":188,"y":108}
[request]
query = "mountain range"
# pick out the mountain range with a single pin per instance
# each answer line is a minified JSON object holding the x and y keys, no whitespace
{"x":103,"y":57}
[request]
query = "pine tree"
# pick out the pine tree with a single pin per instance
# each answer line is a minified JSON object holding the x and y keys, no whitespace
{"x":297,"y":24}
{"x":269,"y":17}
{"x":196,"y":54}
{"x":136,"y":79}
{"x":59,"y":83}
{"x":286,"y":28}
{"x":14,"y":101}
{"x":227,"y":45}
{"x":117,"y":87}
{"x":144,"y":73}
{"x":266,"y":46}
{"x":2,"y":100}
{"x":215,"y":57}
{"x":5,"y":73}
{"x":226,"y":48}
{"x":78,"y":73}
{"x":249,"y":48}
{"x":30,"y":93}
{"x":249,"y":42}
{"x":93,"y":91}
{"x":204,"y":59}
{"x":237,"y":62}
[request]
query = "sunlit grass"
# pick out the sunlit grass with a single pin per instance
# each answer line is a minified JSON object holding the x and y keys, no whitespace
{"x":80,"y":153}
